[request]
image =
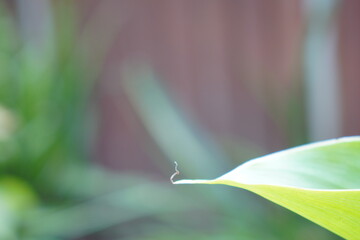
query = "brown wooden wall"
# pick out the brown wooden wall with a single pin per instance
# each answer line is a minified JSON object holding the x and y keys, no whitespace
{"x":349,"y":47}
{"x":234,"y":67}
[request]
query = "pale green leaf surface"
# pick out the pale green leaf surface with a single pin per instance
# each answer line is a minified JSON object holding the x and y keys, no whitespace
{"x":320,"y":181}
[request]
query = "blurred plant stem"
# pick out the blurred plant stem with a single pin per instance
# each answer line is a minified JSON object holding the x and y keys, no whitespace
{"x":323,"y":98}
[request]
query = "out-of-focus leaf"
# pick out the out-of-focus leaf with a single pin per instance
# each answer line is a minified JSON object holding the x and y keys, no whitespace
{"x":319,"y":181}
{"x":99,"y":213}
{"x":16,"y":198}
{"x":174,"y":134}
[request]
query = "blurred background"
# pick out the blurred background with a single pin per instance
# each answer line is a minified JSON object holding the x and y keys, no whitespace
{"x":99,"y":98}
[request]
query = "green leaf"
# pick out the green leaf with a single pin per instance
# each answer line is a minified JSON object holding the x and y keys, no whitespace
{"x":320,"y":181}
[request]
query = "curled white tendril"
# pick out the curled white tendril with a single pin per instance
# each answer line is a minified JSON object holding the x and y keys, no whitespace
{"x":175,"y":173}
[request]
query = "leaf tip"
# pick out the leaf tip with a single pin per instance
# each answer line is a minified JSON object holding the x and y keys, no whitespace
{"x":194,"y":181}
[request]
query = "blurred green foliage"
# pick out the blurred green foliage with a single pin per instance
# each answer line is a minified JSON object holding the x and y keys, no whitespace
{"x":50,"y":190}
{"x":43,"y":101}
